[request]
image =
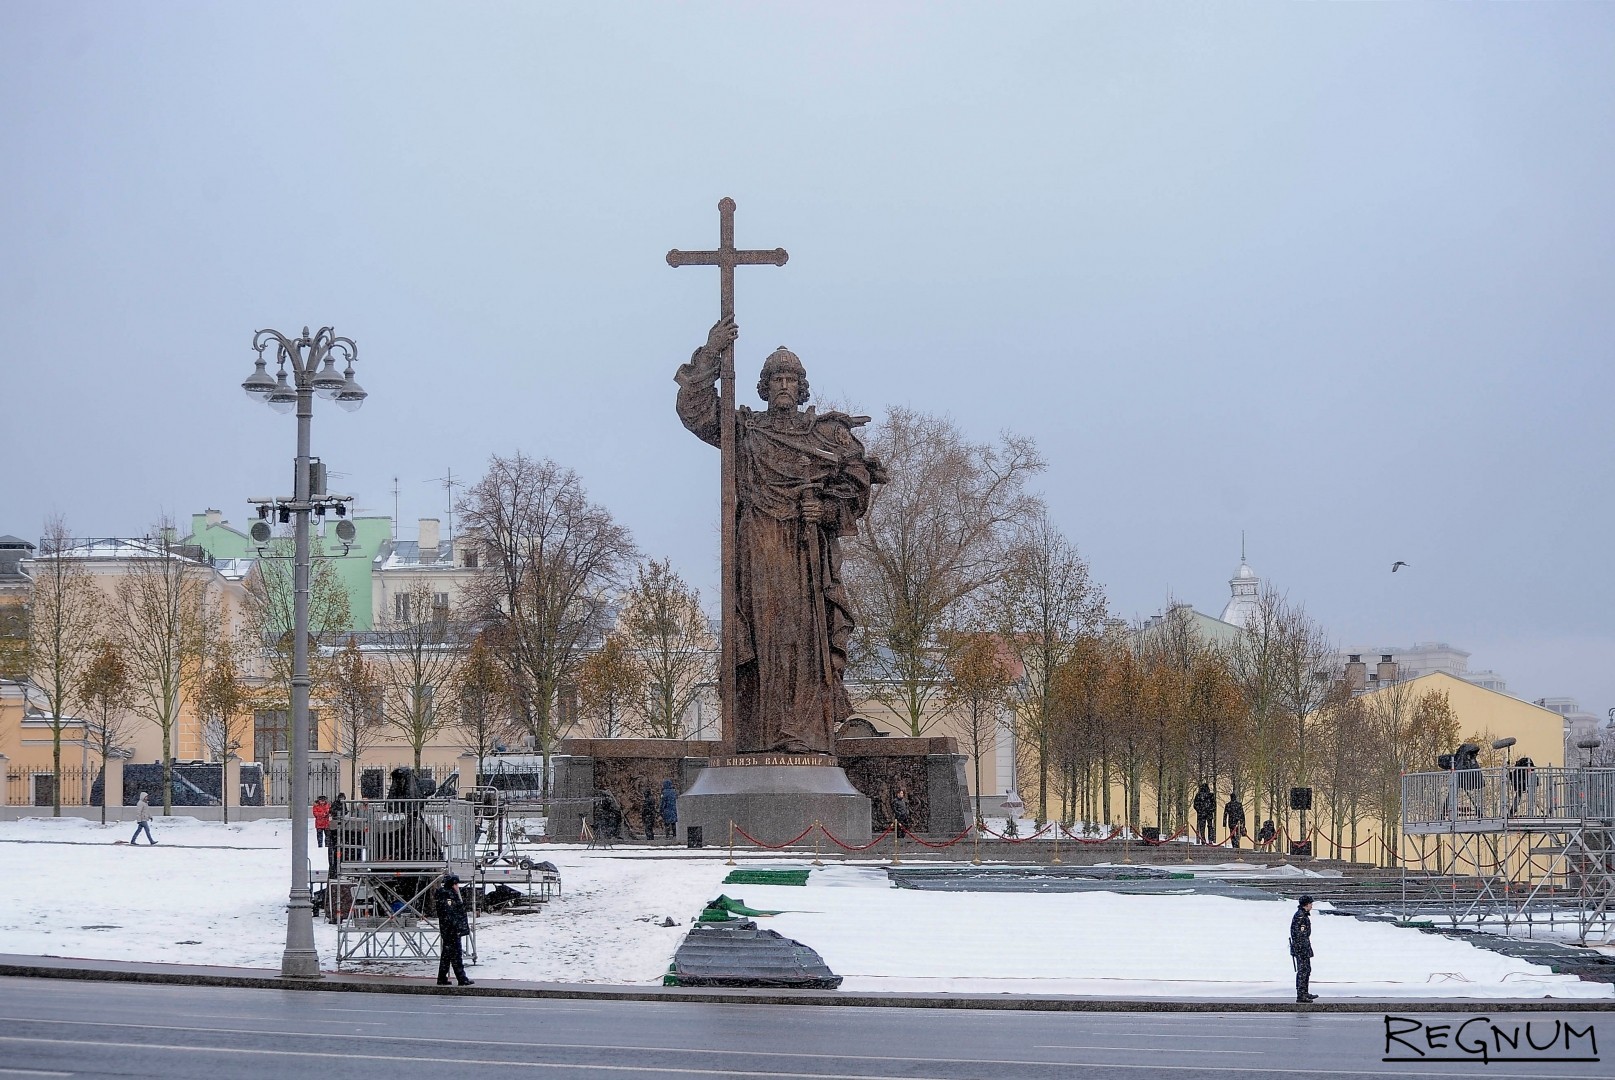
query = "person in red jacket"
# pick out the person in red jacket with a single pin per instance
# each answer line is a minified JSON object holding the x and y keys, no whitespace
{"x":322,"y":819}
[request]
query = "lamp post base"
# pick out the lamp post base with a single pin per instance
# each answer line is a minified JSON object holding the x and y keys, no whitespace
{"x":300,"y":960}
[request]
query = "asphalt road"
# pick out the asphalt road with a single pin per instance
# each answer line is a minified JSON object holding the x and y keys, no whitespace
{"x":58,"y":1028}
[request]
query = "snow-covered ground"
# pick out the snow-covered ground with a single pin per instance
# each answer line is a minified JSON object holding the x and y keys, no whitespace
{"x":215,"y":894}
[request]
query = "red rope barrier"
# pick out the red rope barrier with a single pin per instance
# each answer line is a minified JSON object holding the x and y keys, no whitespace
{"x":851,"y":847}
{"x":948,"y":844}
{"x":773,"y":847}
{"x":1092,"y":840}
{"x":1340,"y":847}
{"x":1168,"y":840}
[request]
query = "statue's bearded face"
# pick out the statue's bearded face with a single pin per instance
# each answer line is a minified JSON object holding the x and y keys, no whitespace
{"x":784,"y":391}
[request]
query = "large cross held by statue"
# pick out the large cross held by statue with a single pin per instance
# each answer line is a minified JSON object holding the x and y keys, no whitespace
{"x":726,"y":257}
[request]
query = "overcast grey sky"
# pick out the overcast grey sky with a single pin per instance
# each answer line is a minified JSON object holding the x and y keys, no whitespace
{"x":1337,"y":275}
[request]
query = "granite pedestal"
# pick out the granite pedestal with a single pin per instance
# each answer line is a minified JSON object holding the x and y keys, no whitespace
{"x":773,"y":797}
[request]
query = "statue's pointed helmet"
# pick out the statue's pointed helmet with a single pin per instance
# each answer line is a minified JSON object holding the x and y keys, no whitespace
{"x":783,"y":359}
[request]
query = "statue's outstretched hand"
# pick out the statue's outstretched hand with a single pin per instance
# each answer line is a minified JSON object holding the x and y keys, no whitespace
{"x":723,"y":334}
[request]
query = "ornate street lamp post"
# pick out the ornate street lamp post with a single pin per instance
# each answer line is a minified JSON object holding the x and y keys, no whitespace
{"x":311,"y":362}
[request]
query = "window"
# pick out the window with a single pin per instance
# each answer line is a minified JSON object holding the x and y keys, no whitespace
{"x":401,"y":607}
{"x":272,"y":732}
{"x":470,"y":558}
{"x":440,"y":600}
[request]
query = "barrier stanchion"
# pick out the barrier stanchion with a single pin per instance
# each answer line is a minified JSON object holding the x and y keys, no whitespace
{"x":1127,"y":847}
{"x":897,"y":843}
{"x":816,"y":829}
{"x":976,"y":829}
{"x":1058,"y":825}
{"x":731,"y":861}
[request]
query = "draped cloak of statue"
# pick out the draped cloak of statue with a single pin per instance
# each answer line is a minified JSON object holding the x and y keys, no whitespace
{"x":792,"y":624}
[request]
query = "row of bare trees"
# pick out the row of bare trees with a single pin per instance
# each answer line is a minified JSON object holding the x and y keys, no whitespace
{"x":971,"y":603}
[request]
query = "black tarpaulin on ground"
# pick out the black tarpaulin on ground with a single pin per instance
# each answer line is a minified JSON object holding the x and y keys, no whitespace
{"x":717,"y":955}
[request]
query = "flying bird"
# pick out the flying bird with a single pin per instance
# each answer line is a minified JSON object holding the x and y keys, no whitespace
{"x":1397,"y":565}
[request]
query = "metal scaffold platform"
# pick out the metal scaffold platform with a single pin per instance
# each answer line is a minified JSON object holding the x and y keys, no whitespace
{"x":1525,"y":848}
{"x":388,"y":857}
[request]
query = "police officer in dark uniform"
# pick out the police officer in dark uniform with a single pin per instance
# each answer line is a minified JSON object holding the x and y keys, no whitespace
{"x":452,"y":925}
{"x":1301,"y":949}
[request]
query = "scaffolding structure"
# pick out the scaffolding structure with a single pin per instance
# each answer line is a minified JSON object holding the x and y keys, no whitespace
{"x":1522,"y":847}
{"x":388,"y":857}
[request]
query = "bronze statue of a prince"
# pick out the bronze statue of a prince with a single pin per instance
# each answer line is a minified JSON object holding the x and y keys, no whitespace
{"x":802,"y":481}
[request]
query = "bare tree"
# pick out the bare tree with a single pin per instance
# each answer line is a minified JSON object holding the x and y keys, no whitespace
{"x":483,"y":693}
{"x":1257,"y":659}
{"x":1043,"y":605}
{"x":63,"y":627}
{"x":980,"y":672}
{"x":224,"y":698}
{"x":1408,"y":729}
{"x":542,"y":592}
{"x":353,"y":694}
{"x":159,"y":613}
{"x":669,"y":639}
{"x":610,"y":685}
{"x":423,"y":648}
{"x":1304,"y":684}
{"x":107,"y":725}
{"x":268,"y":610}
{"x":939,"y":529}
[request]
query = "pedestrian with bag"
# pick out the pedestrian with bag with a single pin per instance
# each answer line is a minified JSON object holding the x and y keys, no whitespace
{"x":452,"y":925}
{"x":1301,"y":950}
{"x":142,"y":821}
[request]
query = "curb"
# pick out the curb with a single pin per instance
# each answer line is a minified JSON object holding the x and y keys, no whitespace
{"x":50,"y":967}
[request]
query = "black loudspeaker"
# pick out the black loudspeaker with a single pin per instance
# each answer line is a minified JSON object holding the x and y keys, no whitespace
{"x":693,"y":837}
{"x":1152,"y":835}
{"x":1301,"y":848}
{"x":1300,"y":798}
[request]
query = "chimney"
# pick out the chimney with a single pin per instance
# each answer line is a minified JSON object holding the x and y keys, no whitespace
{"x":1356,"y":673}
{"x":428,"y":540}
{"x":1385,"y":670}
{"x":214,"y":517}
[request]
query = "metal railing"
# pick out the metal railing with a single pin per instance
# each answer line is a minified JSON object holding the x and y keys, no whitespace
{"x":1471,"y":798}
{"x":404,"y":833}
{"x":33,"y":786}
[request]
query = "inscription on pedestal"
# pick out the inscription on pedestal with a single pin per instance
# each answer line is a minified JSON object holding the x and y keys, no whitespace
{"x":774,"y":759}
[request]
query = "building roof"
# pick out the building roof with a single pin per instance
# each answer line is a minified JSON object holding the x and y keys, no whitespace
{"x":400,"y":554}
{"x":9,"y":541}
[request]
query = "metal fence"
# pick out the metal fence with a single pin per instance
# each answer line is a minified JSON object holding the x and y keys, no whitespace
{"x":33,"y":786}
{"x":324,"y":778}
{"x":404,"y":832}
{"x":1467,"y":797}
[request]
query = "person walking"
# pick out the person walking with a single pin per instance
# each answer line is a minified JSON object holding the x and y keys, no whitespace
{"x":143,"y":820}
{"x":452,"y":925}
{"x":670,"y":809}
{"x":647,"y":813}
{"x":1233,"y":818}
{"x":1205,"y":815}
{"x":1301,"y":950}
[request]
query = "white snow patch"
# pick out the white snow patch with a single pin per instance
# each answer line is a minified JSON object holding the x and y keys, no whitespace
{"x":75,"y":891}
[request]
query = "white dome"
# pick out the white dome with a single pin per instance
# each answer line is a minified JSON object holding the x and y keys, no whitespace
{"x":1244,"y":588}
